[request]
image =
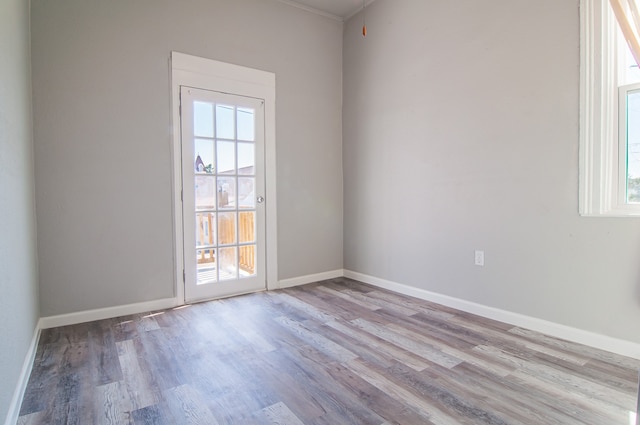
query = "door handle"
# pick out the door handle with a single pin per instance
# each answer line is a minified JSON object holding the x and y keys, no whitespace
{"x":260,"y":199}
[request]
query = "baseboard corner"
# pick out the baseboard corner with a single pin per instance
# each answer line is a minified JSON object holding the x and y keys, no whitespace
{"x":23,"y":379}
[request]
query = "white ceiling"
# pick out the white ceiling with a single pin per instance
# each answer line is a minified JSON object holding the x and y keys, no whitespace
{"x":339,"y":9}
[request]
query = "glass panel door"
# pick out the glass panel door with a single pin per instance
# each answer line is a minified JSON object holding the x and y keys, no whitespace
{"x":223,"y":187}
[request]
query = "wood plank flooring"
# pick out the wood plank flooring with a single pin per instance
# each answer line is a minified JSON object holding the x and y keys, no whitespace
{"x":334,"y":352}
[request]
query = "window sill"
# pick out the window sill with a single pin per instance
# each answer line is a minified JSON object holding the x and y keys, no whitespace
{"x":626,"y":211}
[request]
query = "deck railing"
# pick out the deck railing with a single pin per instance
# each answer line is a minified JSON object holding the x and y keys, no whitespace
{"x":226,"y":228}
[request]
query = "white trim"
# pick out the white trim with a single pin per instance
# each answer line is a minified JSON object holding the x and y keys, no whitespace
{"x":107,"y":313}
{"x":603,"y":342}
{"x":598,"y":109}
{"x":315,"y":11}
{"x":271,"y":198}
{"x":195,"y":71}
{"x":23,"y":379}
{"x":303,"y":280}
{"x":176,"y":180}
{"x":311,"y":10}
{"x":599,"y":164}
{"x":357,"y":10}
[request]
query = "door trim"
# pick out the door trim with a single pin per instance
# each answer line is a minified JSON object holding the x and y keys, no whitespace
{"x":194,"y":71}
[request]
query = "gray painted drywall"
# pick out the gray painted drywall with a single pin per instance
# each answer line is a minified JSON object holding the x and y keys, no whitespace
{"x":18,"y":263}
{"x":461,"y":133}
{"x":102,"y":137}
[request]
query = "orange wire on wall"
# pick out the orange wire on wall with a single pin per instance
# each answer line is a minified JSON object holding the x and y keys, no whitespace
{"x":364,"y":21}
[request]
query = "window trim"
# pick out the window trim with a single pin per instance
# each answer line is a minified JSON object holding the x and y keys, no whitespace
{"x":600,"y":182}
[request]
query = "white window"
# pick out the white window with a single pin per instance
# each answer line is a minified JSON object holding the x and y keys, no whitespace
{"x":609,"y":118}
{"x":629,"y":138}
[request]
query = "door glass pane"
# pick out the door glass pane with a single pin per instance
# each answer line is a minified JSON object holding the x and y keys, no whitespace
{"x":246,"y":192}
{"x":226,"y":192}
{"x":247,"y":260}
{"x":246,"y":124}
{"x":206,"y":271}
{"x":225,"y":122}
{"x":228,"y":263}
{"x":203,"y":119}
{"x":247,"y":227}
{"x":226,"y":228}
{"x":204,"y":156}
{"x":205,"y":229}
{"x":226,"y":157}
{"x":205,"y":192}
{"x":246,"y":158}
{"x":633,"y":146}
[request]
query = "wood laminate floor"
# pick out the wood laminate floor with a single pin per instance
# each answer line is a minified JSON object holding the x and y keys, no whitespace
{"x":336,"y":352}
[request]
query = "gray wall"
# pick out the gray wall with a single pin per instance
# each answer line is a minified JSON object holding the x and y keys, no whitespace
{"x":18,"y":264}
{"x":461,"y":133}
{"x":102,"y":137}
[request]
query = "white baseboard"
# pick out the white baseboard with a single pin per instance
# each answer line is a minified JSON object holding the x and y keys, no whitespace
{"x":603,"y":342}
{"x":303,"y":280}
{"x":23,"y":379}
{"x":107,"y":313}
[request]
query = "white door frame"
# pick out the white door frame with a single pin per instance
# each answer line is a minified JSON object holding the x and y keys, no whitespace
{"x":187,"y":70}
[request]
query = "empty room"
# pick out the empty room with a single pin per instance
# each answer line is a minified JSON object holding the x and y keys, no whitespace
{"x":319,"y":212}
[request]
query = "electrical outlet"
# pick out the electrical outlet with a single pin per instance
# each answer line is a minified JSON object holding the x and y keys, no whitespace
{"x":479,"y":258}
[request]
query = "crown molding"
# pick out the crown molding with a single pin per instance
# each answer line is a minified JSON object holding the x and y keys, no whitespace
{"x":357,"y":10}
{"x":312,"y":10}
